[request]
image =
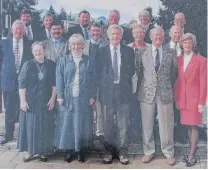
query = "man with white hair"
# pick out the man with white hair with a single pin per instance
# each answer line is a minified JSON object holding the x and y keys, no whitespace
{"x":117,"y":68}
{"x":144,"y":19}
{"x":14,"y":51}
{"x":155,"y":91}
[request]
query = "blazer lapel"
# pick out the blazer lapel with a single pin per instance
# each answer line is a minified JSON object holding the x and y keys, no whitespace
{"x":148,"y":58}
{"x":86,"y":50}
{"x":165,"y":54}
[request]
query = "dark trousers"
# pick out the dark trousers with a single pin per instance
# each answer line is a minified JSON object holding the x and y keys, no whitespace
{"x":116,"y":122}
{"x":12,"y":109}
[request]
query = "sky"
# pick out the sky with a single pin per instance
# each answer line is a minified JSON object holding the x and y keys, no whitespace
{"x":128,"y":9}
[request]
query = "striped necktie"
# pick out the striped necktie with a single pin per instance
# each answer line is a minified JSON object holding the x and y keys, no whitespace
{"x":16,"y":51}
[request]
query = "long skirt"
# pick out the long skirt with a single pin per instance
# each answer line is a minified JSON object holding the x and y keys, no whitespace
{"x":36,"y":130}
{"x":70,"y":130}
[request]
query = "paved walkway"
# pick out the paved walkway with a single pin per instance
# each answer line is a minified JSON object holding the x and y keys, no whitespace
{"x":10,"y":158}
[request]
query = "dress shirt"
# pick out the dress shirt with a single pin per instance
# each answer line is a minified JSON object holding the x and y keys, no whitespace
{"x":118,"y":57}
{"x":29,"y":28}
{"x":83,"y":31}
{"x":154,"y":53}
{"x":20,"y":47}
{"x":178,"y":49}
{"x":187,"y":59}
{"x":47,"y":33}
{"x":145,"y":26}
{"x":94,"y":42}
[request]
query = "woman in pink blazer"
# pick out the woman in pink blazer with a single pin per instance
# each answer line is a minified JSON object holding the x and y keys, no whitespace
{"x":191,"y":91}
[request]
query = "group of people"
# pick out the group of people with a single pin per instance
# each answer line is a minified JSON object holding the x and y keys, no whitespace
{"x":66,"y":77}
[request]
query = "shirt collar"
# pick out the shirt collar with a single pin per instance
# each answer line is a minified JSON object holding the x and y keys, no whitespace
{"x":154,"y":48}
{"x":189,"y":55}
{"x":172,"y":44}
{"x":117,"y":47}
{"x":58,"y":41}
{"x":84,"y":27}
{"x":95,"y":42}
{"x":20,"y":40}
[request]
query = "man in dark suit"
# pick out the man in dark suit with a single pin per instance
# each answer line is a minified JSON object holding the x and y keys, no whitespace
{"x":83,"y":27}
{"x":43,"y":33}
{"x":144,"y":19}
{"x":117,"y":68}
{"x":14,"y":51}
{"x":114,"y":18}
{"x":26,"y":17}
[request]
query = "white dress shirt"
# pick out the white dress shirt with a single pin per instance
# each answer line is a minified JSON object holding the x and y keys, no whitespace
{"x":47,"y":33}
{"x":118,"y":58}
{"x":154,"y":53}
{"x":20,"y":47}
{"x":178,"y":49}
{"x":83,"y":31}
{"x":29,"y":28}
{"x":187,"y":59}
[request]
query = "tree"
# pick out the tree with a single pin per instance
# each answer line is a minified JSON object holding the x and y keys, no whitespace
{"x":63,"y":15}
{"x":52,"y":10}
{"x":152,"y":18}
{"x":195,"y":12}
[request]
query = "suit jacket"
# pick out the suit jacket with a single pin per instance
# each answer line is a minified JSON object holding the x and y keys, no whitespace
{"x":40,"y":34}
{"x":8,"y":71}
{"x":160,"y":83}
{"x":127,"y":71}
{"x":50,"y":51}
{"x":147,"y":34}
{"x":191,"y":86}
{"x":74,"y":30}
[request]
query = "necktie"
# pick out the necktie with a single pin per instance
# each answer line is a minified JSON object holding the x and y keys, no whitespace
{"x":28,"y":33}
{"x":86,"y":34}
{"x":157,"y":60}
{"x":17,"y":55}
{"x":136,"y":50}
{"x":115,"y":65}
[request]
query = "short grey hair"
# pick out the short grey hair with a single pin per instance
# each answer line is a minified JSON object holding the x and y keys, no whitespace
{"x":115,"y":26}
{"x":48,"y":14}
{"x":37,"y":43}
{"x":187,"y":36}
{"x":76,"y":37}
{"x":144,"y":11}
{"x":18,"y":22}
{"x":138,"y":26}
{"x":171,"y":29}
{"x":157,"y":28}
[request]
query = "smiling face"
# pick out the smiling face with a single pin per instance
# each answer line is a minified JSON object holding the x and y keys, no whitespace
{"x":175,"y":33}
{"x":26,"y":18}
{"x":95,"y":32}
{"x":179,"y":19}
{"x":139,"y":34}
{"x":18,"y":30}
{"x":77,"y":46}
{"x":157,"y":37}
{"x":115,"y":36}
{"x":114,"y":17}
{"x":38,"y":52}
{"x":48,"y":19}
{"x":187,"y":45}
{"x":144,"y":18}
{"x":84,"y":19}
{"x":56,"y":31}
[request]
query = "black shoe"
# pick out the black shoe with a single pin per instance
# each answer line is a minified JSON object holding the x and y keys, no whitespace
{"x":4,"y":141}
{"x":191,"y":162}
{"x":80,"y":156}
{"x":68,"y":157}
{"x":43,"y":158}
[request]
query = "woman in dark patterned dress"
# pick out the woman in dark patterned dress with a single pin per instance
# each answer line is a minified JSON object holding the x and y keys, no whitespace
{"x":37,"y":97}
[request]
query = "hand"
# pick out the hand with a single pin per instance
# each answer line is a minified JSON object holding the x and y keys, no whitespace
{"x":24,"y":106}
{"x":60,"y":101}
{"x":51,"y":103}
{"x":200,"y":108}
{"x":91,"y":101}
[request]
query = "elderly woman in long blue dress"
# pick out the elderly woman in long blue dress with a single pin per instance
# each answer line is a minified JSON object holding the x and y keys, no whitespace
{"x":37,"y":97}
{"x":76,"y":92}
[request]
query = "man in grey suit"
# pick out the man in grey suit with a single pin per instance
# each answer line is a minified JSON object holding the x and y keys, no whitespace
{"x":56,"y":46}
{"x":92,"y":48}
{"x":157,"y":70}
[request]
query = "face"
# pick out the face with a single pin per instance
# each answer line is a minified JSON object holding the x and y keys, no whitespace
{"x":84,"y":19}
{"x":188,"y":46}
{"x":26,"y":18}
{"x":176,"y":34}
{"x":47,"y":21}
{"x":115,"y":36}
{"x":77,"y":46}
{"x":95,"y":32}
{"x":179,"y":20}
{"x":144,"y":18}
{"x":139,"y":34}
{"x":157,"y":37}
{"x":18,"y":31}
{"x":114,"y":17}
{"x":38,"y":52}
{"x":56,"y":31}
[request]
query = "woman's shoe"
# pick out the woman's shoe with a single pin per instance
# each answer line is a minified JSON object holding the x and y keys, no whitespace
{"x":43,"y":158}
{"x":28,"y":158}
{"x":80,"y":156}
{"x":68,"y":157}
{"x":191,"y":161}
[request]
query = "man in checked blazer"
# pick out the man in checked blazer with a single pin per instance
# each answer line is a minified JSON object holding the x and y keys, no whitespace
{"x":157,"y":71}
{"x":56,"y":46}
